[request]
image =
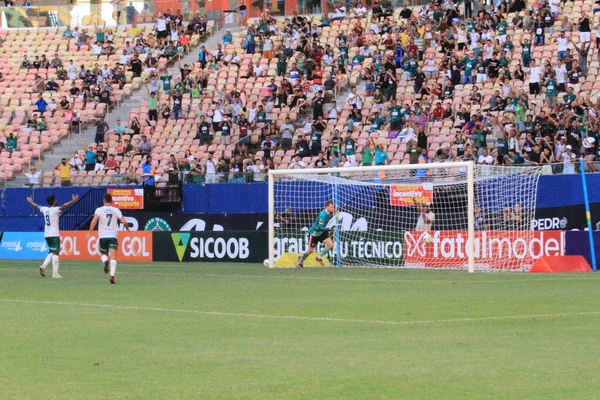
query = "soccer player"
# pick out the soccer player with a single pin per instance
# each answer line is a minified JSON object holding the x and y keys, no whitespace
{"x":51,"y":231}
{"x":108,"y":216}
{"x":318,"y":233}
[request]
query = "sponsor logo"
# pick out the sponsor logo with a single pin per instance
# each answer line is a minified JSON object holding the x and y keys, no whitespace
{"x":157,"y":224}
{"x":546,"y":224}
{"x":180,"y":241}
{"x":14,"y":245}
{"x":510,"y":248}
{"x":127,"y":199}
{"x":219,"y":248}
{"x":374,"y":246}
{"x":409,"y":195}
{"x":133,"y":246}
{"x":38,"y":245}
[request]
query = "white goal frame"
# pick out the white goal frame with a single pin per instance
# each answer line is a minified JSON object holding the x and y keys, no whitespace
{"x":469,"y":165}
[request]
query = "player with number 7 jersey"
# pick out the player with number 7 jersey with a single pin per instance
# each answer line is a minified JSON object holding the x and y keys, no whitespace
{"x":107,"y":218}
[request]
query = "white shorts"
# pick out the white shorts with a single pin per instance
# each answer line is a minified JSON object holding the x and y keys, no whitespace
{"x":481,"y":78}
{"x":501,"y":39}
{"x":584,"y":36}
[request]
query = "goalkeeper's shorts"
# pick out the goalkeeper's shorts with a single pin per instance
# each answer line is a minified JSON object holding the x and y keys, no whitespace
{"x":314,"y":240}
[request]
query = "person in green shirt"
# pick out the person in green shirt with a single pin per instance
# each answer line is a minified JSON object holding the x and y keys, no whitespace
{"x":376,"y":122}
{"x":153,"y":107}
{"x":551,"y":91}
{"x":502,"y":144}
{"x":526,"y":52}
{"x":336,"y":143}
{"x":11,"y":143}
{"x":367,"y":154}
{"x":281,"y":63}
{"x":195,"y":92}
{"x":480,"y":139}
{"x":501,"y":30}
{"x":166,"y":82}
{"x":395,"y":112}
{"x":508,"y":46}
{"x":469,"y":64}
{"x":315,"y":143}
{"x":350,"y":149}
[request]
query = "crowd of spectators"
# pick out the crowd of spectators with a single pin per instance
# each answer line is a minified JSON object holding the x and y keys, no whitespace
{"x":390,"y":80}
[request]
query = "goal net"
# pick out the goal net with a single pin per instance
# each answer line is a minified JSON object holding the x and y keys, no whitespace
{"x":412,"y":216}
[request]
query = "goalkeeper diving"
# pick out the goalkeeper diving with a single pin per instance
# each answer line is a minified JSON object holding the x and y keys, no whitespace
{"x":319,"y":233}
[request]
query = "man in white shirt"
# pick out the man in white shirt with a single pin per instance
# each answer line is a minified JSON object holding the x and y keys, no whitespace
{"x":51,"y":231}
{"x":426,"y":218}
{"x":354,"y":98}
{"x":33,"y":176}
{"x":485,"y":158}
{"x":210,"y":169}
{"x":561,"y":76}
{"x":535,"y":74}
{"x":108,"y":218}
{"x":568,"y":158}
{"x":563,"y":44}
{"x":124,"y":58}
{"x":258,"y":70}
{"x":297,"y":163}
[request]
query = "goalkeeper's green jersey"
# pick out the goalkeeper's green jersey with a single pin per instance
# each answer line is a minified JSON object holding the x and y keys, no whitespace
{"x":320,"y":225}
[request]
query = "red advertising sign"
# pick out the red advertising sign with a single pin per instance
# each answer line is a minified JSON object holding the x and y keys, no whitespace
{"x":133,"y":246}
{"x":127,"y":199}
{"x":410,"y":195}
{"x":493,"y":249}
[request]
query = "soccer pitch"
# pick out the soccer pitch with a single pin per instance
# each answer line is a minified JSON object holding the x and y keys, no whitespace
{"x":219,"y":331}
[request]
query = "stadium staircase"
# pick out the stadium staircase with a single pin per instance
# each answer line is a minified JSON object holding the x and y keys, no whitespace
{"x":76,"y":216}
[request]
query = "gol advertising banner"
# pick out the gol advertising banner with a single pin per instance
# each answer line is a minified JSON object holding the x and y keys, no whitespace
{"x":210,"y":246}
{"x":493,"y":249}
{"x":409,"y":195}
{"x":127,"y":199}
{"x":133,"y":246}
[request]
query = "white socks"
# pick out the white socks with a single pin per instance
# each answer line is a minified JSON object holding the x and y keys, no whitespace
{"x":47,"y":260}
{"x":104,"y":258}
{"x":113,"y":267}
{"x":54,"y":264}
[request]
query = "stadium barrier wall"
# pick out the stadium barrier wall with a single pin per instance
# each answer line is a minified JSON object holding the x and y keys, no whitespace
{"x":157,"y":221}
{"x":242,"y":246}
{"x":578,"y":244}
{"x":251,"y":198}
{"x":133,"y":246}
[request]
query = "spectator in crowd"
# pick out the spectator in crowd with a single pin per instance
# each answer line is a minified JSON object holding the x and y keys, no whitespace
{"x":34,"y":177}
{"x":64,"y":171}
{"x":148,"y":172}
{"x":145,"y":147}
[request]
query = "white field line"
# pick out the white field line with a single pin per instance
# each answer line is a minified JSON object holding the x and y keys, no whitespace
{"x":296,"y":275}
{"x":300,"y":318}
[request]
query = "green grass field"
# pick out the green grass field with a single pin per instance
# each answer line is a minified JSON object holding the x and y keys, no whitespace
{"x":216,"y":331}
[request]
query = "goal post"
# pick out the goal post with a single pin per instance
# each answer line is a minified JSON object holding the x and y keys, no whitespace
{"x":451,"y":215}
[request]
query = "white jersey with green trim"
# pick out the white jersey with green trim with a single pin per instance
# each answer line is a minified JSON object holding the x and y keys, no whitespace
{"x":51,"y":218}
{"x":108,"y":222}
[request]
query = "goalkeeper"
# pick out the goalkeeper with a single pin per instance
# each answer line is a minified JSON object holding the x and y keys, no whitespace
{"x":318,"y":233}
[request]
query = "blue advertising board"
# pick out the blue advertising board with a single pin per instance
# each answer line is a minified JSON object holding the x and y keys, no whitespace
{"x":23,"y":246}
{"x":577,"y":243}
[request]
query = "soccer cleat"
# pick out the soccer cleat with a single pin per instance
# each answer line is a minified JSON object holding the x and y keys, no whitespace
{"x":112,"y":280}
{"x":57,"y":276}
{"x":299,"y":264}
{"x":43,"y":272}
{"x":106,"y":267}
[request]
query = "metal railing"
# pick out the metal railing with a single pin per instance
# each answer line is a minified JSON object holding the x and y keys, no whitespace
{"x":74,"y":217}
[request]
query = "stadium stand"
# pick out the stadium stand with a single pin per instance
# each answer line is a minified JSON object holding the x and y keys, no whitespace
{"x":408,"y":86}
